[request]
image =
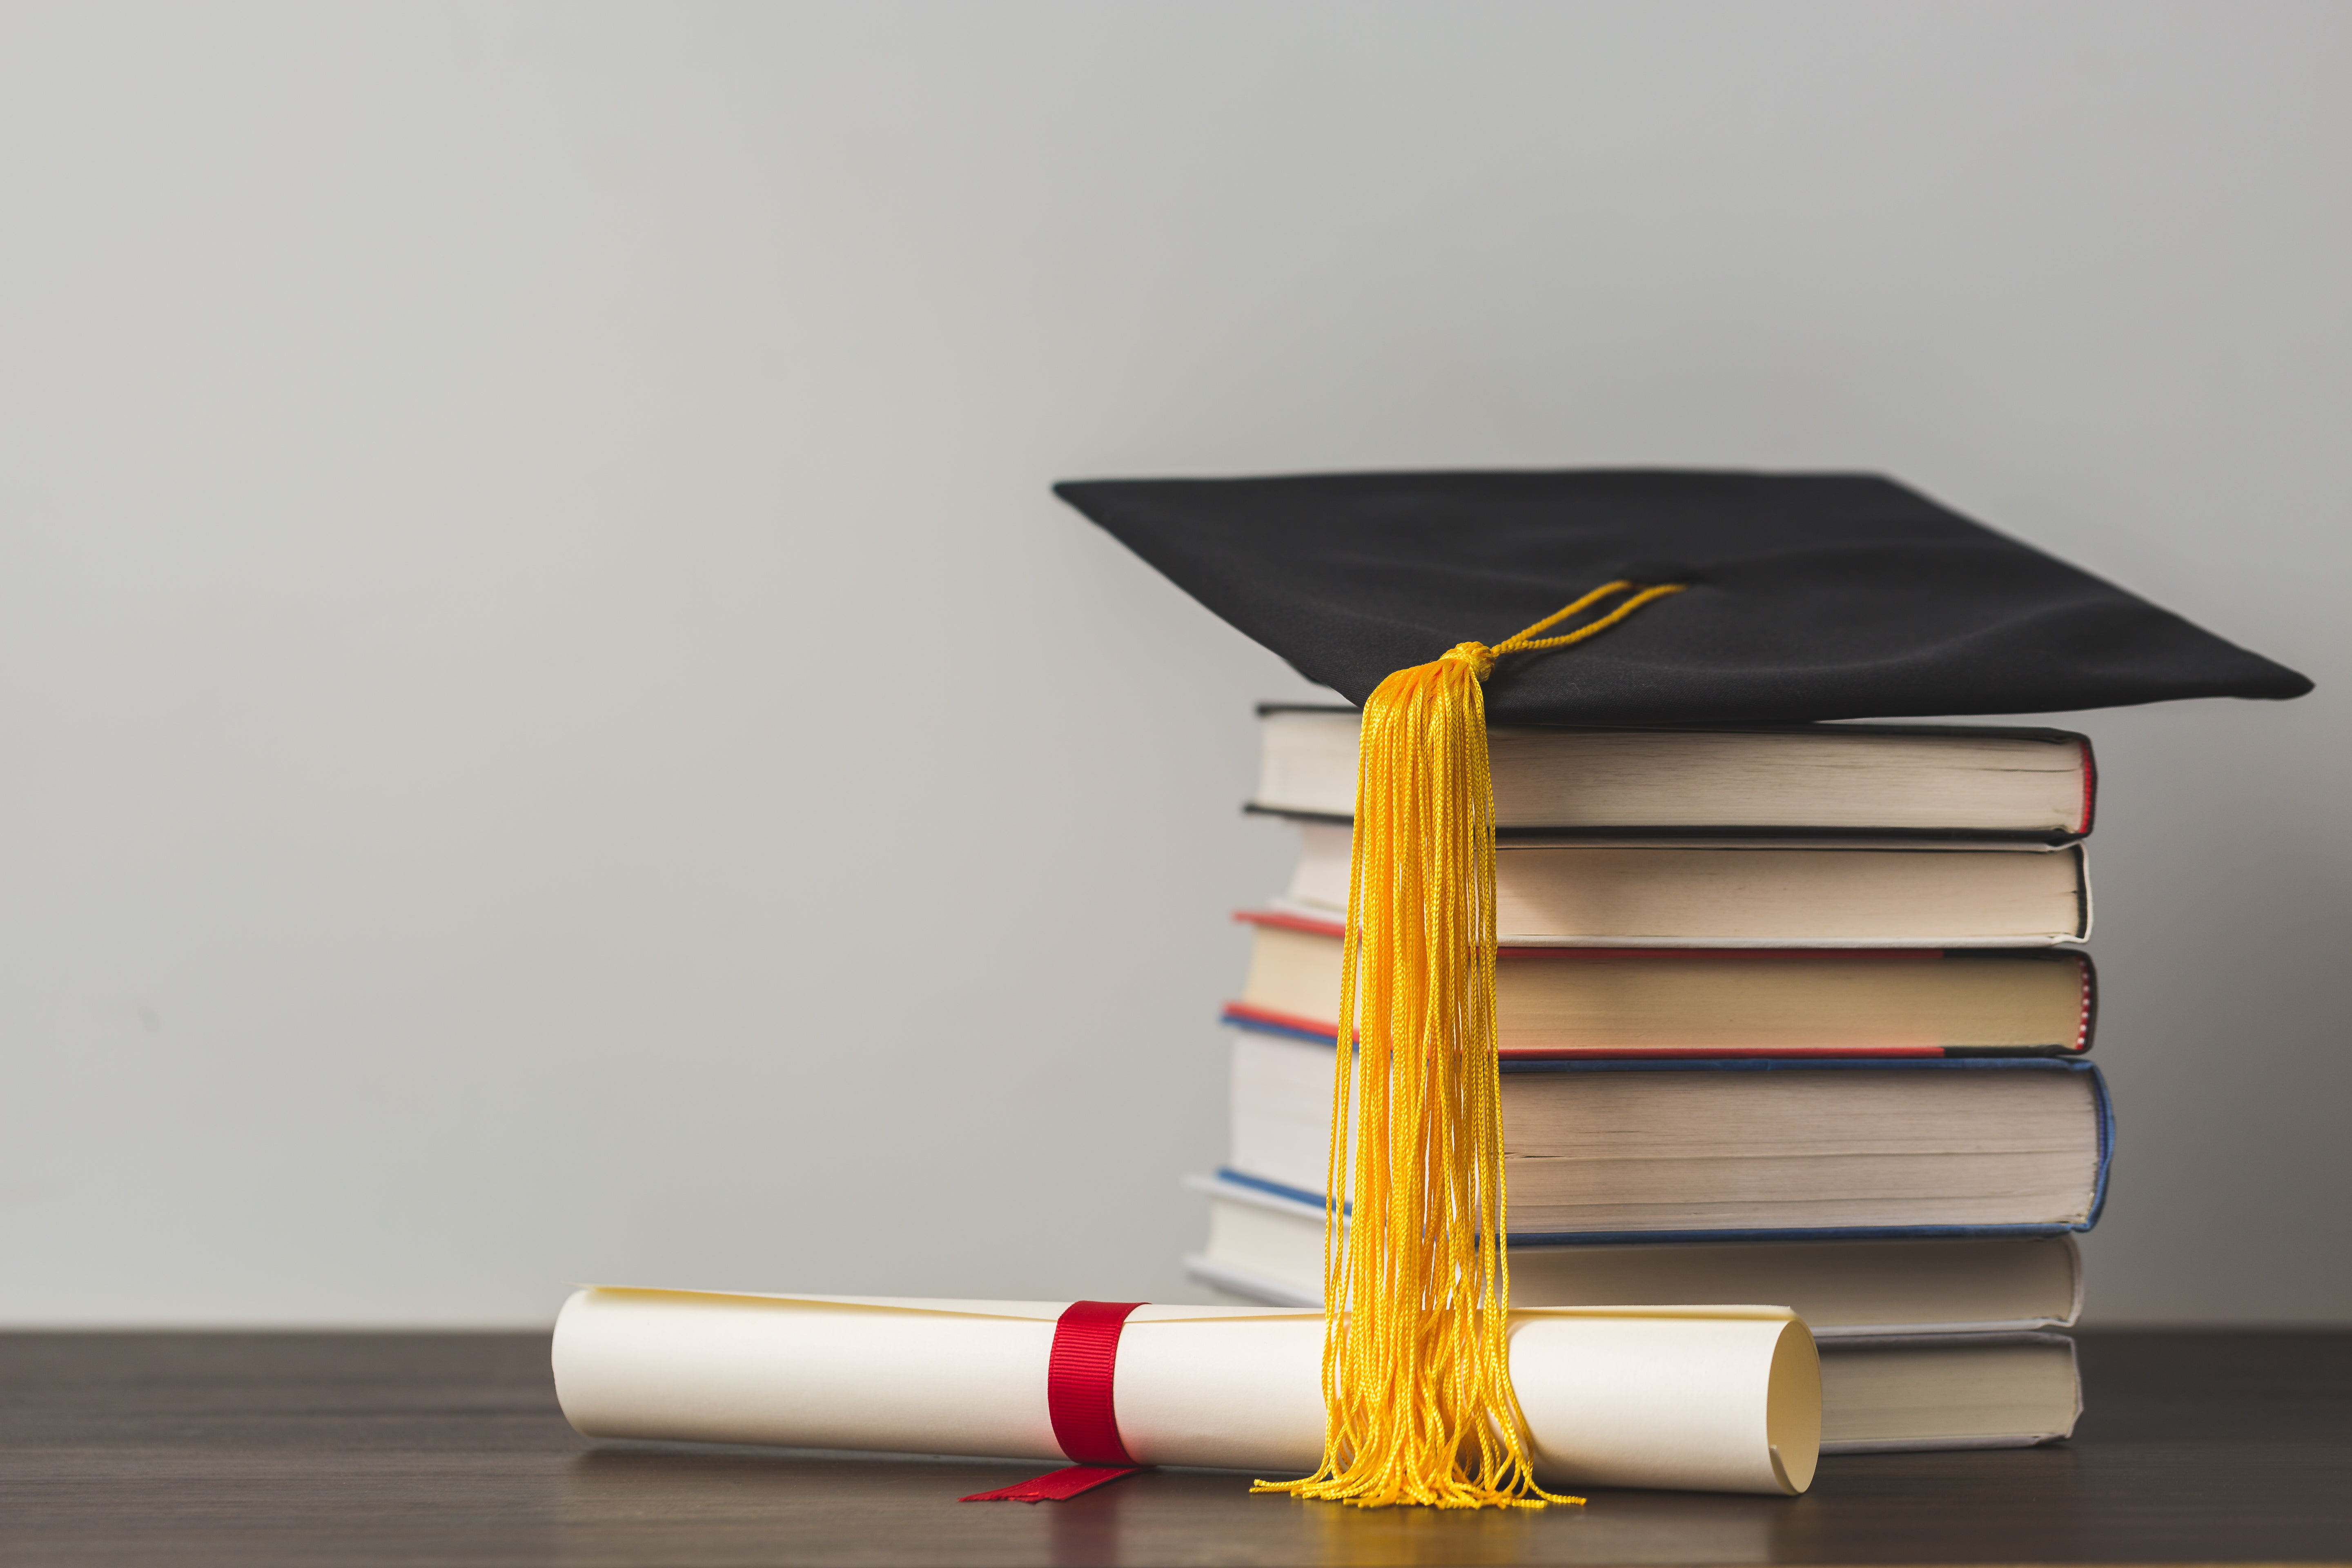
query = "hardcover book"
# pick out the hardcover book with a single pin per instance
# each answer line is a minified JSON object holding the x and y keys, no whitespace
{"x":1614,"y":1150}
{"x":1754,"y":894}
{"x":1941,"y":1392}
{"x":1268,"y":1249}
{"x":1928,"y":781}
{"x":1717,"y":1002}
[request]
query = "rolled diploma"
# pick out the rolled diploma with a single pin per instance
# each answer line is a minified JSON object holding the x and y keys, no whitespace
{"x":1699,"y":1398}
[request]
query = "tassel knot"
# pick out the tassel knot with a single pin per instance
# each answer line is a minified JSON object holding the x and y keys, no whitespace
{"x":1476,"y":655}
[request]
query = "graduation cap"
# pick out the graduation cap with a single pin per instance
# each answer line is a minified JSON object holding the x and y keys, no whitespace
{"x":1691,"y":597}
{"x":1806,"y":596}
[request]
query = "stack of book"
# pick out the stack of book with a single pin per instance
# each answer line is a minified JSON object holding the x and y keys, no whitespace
{"x":1786,"y":1014}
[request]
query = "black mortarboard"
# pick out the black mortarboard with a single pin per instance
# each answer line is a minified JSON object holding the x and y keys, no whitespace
{"x":1811,"y":596}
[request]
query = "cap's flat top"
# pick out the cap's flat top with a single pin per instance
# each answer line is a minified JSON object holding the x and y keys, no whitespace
{"x":1812,"y":596}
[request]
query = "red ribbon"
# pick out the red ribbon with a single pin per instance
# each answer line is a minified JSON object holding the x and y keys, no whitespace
{"x":1078,"y":1381}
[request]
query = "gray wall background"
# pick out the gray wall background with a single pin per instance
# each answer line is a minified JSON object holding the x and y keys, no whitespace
{"x":553,"y":732}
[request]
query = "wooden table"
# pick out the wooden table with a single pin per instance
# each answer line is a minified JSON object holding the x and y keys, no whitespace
{"x":262,"y":1450}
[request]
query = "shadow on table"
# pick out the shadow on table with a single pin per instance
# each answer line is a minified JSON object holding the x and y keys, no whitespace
{"x":633,"y":1503}
{"x":2195,"y":1449}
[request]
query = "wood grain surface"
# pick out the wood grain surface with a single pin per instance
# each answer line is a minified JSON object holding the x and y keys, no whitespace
{"x":266,"y":1449}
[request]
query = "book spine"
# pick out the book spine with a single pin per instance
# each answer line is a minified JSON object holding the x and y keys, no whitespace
{"x":2090,"y":785}
{"x":2105,"y":1110}
{"x":2090,"y":1002}
{"x":2081,"y":892}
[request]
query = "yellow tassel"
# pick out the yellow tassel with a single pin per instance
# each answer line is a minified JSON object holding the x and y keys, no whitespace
{"x":1416,"y":1281}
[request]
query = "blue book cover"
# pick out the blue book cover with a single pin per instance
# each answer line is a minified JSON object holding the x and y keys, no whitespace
{"x":2103,"y":1110}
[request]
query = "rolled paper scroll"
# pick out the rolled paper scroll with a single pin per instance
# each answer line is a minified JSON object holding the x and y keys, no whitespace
{"x":1697,"y":1398}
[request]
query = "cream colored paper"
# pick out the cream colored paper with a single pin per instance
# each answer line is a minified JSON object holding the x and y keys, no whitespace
{"x":1702,"y":1398}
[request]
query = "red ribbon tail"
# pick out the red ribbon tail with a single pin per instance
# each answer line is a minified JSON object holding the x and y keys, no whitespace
{"x":1056,"y":1485}
{"x":1079,"y":1382}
